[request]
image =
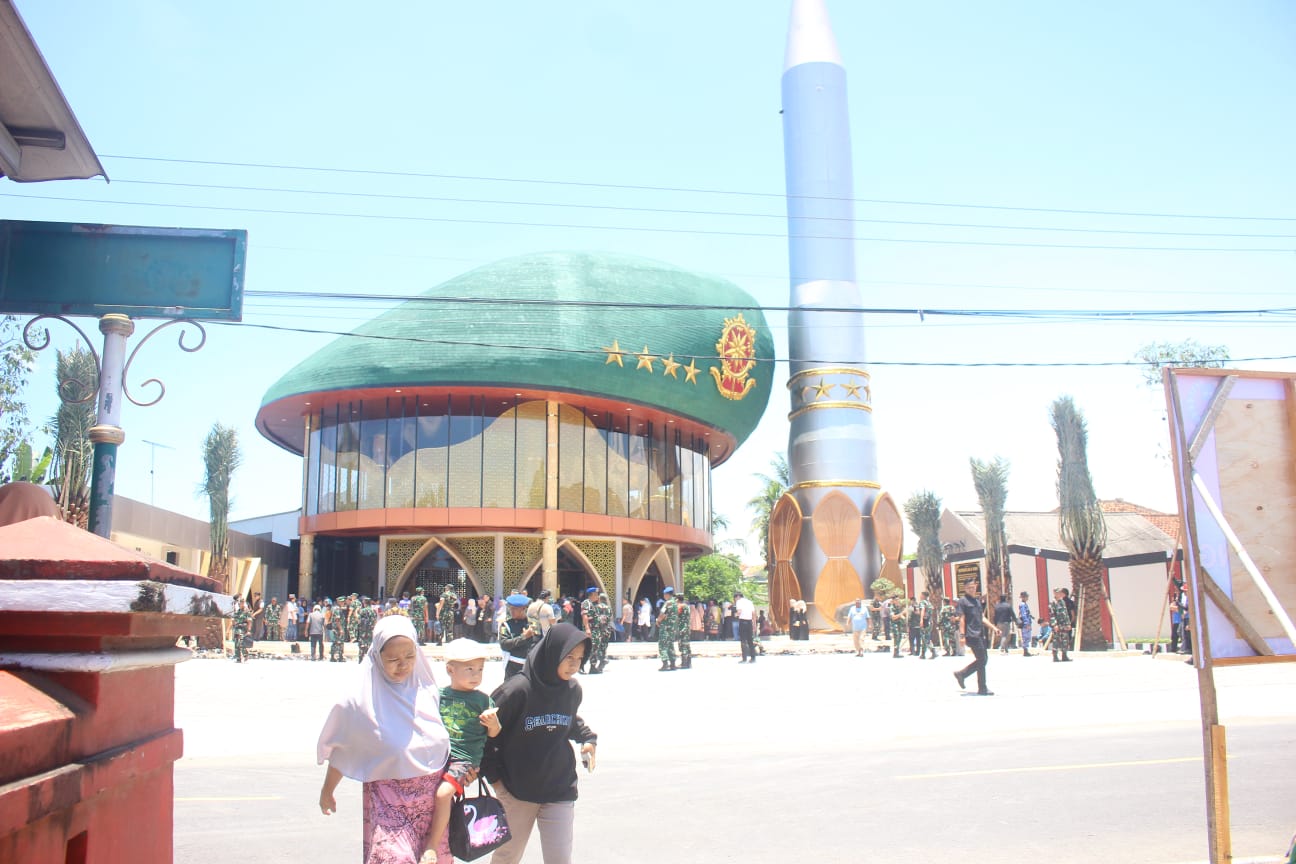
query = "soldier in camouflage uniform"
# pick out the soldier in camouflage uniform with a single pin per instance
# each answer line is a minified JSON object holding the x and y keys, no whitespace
{"x":241,"y":620}
{"x":336,"y":633}
{"x":598,"y":620}
{"x":949,"y":629}
{"x":446,"y":615}
{"x":897,"y":629}
{"x":274,"y":632}
{"x":418,"y":613}
{"x":666,"y":625}
{"x":366,"y":618}
{"x":915,"y":627}
{"x":927,"y":623}
{"x":1060,"y":619}
{"x":684,"y":637}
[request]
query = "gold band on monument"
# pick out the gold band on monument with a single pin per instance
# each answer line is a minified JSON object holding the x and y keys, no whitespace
{"x":860,"y":406}
{"x":821,"y":484}
{"x":827,"y":370}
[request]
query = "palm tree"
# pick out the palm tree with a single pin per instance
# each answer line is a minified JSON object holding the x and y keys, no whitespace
{"x":991,"y":482}
{"x":923,"y":511}
{"x":763,"y":503}
{"x":221,"y":457}
{"x":78,"y":380}
{"x":1080,"y":520}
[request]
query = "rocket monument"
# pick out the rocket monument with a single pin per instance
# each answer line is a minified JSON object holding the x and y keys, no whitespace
{"x":831,"y":448}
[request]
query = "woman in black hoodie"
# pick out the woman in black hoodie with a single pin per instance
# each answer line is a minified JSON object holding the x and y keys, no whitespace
{"x":530,"y":763}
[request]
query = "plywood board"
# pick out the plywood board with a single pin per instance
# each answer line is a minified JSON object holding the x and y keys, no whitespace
{"x":1257,"y":483}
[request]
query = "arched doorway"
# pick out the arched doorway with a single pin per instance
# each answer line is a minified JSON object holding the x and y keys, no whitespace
{"x":573,"y":577}
{"x":437,"y":571}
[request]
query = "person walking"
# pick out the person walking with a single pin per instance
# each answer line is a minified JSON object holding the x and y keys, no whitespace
{"x":666,"y":630}
{"x":897,"y":607}
{"x":683,"y":632}
{"x":948,"y":619}
{"x":859,"y":623}
{"x":315,"y":631}
{"x":1003,"y":619}
{"x":745,"y":615}
{"x":418,"y":612}
{"x":447,"y":606}
{"x":971,"y":625}
{"x":241,"y":621}
{"x":1025,"y":619}
{"x":926,"y":624}
{"x":530,"y":763}
{"x":366,"y":621}
{"x":597,"y":620}
{"x":1060,"y":620}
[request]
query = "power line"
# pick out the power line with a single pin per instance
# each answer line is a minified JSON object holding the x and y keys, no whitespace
{"x":693,"y":190}
{"x":619,"y":208}
{"x":551,"y":349}
{"x":656,"y":229}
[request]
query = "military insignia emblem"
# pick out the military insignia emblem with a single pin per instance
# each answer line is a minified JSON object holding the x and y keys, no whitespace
{"x":736,"y":350}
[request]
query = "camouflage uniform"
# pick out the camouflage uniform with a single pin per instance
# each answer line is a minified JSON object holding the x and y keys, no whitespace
{"x":897,"y":629}
{"x":336,"y":630}
{"x":666,"y":625}
{"x":365,"y":621}
{"x":915,"y":628}
{"x":353,"y":618}
{"x":418,"y":613}
{"x":949,"y":629}
{"x":274,"y":632}
{"x":684,"y":637}
{"x":925,"y":628}
{"x":447,"y":615}
{"x":1060,"y":619}
{"x":875,"y":620}
{"x":242,"y":621}
{"x":598,"y":619}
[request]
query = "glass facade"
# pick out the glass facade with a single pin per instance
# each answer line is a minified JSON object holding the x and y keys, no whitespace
{"x":469,"y":451}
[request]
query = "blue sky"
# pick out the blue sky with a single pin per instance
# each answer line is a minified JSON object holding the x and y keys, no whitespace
{"x":1149,"y":108}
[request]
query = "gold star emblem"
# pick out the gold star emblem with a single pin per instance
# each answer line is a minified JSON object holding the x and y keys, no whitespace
{"x":645,"y":359}
{"x":614,"y":354}
{"x":690,"y":372}
{"x":853,"y":389}
{"x":671,"y":367}
{"x":823,"y":390}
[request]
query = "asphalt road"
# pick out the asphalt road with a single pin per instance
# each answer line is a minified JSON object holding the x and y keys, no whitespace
{"x":799,"y":758}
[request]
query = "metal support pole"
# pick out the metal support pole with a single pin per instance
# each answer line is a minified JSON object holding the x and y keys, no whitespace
{"x":107,"y":433}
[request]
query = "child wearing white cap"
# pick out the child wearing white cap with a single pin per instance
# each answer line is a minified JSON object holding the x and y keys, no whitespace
{"x":470,"y":717}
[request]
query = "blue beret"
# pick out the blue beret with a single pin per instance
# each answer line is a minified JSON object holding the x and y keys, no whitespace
{"x":668,"y":590}
{"x":591,"y":589}
{"x":516,"y":600}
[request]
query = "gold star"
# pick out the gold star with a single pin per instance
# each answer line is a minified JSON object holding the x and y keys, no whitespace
{"x":645,"y":359}
{"x":853,"y":389}
{"x":690,"y":372}
{"x":671,"y":367}
{"x":823,"y":390}
{"x":614,"y":354}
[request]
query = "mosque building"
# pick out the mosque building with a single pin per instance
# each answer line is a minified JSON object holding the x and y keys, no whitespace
{"x":550,"y":420}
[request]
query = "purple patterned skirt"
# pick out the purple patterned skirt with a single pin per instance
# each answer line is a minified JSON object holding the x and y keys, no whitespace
{"x":397,"y":818}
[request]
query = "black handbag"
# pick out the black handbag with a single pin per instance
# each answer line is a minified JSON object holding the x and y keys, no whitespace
{"x":477,"y":824}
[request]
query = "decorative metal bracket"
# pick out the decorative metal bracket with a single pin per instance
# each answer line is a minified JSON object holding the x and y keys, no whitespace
{"x":202,"y":340}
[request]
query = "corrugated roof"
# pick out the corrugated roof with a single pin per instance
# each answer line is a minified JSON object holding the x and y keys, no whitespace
{"x":1128,"y":533}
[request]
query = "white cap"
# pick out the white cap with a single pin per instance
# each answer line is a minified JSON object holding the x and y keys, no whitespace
{"x":465,"y":650}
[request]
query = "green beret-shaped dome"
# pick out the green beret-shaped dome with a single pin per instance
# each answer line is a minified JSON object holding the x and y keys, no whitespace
{"x":557,"y":337}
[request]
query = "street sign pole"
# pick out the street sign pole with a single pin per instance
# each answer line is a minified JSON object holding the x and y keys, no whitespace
{"x":107,"y":433}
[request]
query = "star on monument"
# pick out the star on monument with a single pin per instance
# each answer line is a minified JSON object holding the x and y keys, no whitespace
{"x":852,"y":390}
{"x":823,"y":390}
{"x":614,"y":354}
{"x":645,"y":359}
{"x":690,"y":372}
{"x":671,"y":367}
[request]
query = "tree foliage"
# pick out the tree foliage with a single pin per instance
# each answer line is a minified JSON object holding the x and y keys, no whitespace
{"x":762,"y":505}
{"x":923,"y":510}
{"x":221,"y":458}
{"x":77,"y":381}
{"x":991,"y":482}
{"x":713,"y":577}
{"x":16,"y":361}
{"x":1080,"y":520}
{"x":884,"y":588}
{"x":1156,"y":355}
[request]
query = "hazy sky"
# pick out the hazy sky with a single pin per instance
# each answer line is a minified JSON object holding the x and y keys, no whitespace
{"x":512,"y":127}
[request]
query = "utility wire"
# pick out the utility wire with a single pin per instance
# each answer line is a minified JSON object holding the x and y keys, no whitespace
{"x":702,"y":191}
{"x":618,"y":208}
{"x":657,"y":229}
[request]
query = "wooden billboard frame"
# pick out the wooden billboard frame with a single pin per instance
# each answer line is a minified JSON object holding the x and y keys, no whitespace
{"x":1216,"y":451}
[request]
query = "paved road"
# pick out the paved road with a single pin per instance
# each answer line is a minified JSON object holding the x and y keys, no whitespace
{"x":799,"y":758}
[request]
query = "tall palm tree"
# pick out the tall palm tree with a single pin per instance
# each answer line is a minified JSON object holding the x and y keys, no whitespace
{"x":1080,"y":520}
{"x":762,"y":505}
{"x":923,"y":510}
{"x":991,"y":482}
{"x":221,"y":457}
{"x":78,"y":380}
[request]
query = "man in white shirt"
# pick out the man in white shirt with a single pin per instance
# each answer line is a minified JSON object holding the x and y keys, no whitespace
{"x":541,"y":611}
{"x":746,"y":613}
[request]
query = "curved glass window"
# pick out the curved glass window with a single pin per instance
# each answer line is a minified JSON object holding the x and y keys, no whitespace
{"x":469,"y":451}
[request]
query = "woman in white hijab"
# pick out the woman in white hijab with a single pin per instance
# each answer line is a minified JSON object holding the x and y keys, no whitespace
{"x":389,"y":736}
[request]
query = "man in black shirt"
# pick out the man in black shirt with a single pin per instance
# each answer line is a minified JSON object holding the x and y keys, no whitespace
{"x":1003,"y":619}
{"x":972,"y":624}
